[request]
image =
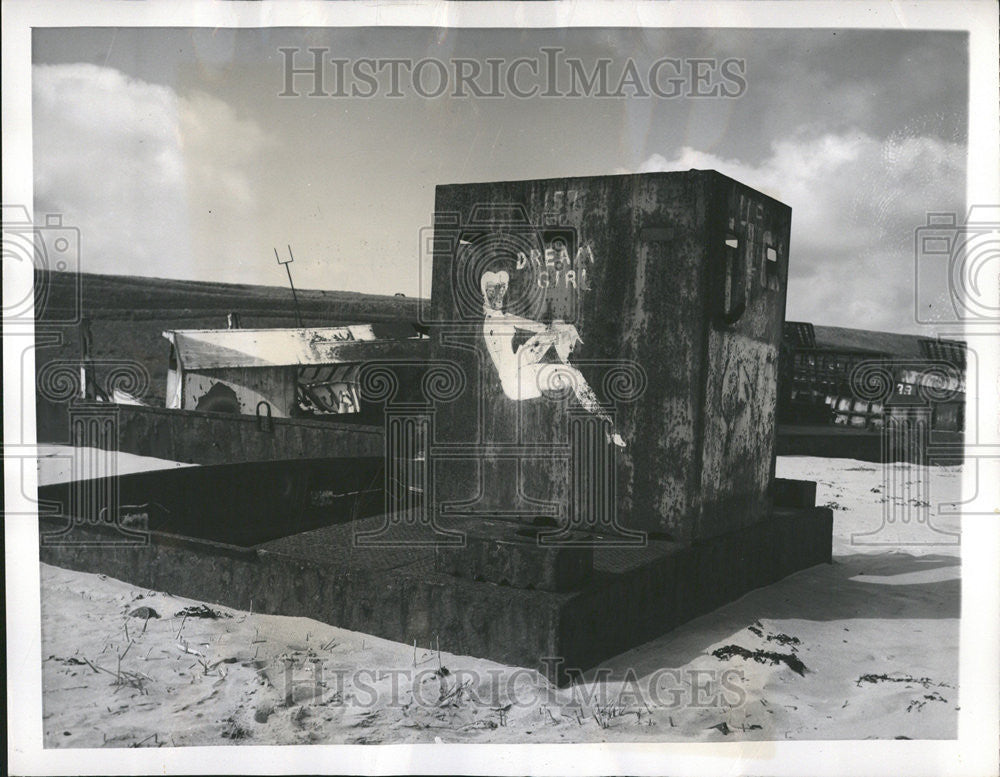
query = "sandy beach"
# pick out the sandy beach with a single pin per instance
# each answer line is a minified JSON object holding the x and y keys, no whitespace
{"x":865,"y":647}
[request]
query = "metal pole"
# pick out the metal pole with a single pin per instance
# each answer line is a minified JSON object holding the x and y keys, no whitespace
{"x":295,"y":297}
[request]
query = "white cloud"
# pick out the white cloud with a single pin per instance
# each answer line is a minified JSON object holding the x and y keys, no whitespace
{"x":158,"y":183}
{"x":219,"y":149}
{"x":856,"y":201}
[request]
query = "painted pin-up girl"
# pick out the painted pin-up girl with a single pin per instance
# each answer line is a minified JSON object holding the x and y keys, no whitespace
{"x":523,"y":374}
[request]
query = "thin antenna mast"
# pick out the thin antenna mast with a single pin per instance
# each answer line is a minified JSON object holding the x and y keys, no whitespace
{"x":298,"y":314}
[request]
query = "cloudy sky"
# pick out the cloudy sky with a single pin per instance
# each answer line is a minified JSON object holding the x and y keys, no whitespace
{"x":175,"y":154}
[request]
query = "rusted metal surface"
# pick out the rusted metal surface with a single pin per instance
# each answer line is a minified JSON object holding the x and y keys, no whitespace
{"x":679,"y":336}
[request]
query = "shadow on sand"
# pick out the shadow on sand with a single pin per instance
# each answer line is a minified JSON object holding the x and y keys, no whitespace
{"x":901,"y":586}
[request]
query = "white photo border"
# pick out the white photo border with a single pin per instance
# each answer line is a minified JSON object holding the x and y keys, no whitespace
{"x":975,"y":750}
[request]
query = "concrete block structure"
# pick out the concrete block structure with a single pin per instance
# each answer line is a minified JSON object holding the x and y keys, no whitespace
{"x":658,"y":300}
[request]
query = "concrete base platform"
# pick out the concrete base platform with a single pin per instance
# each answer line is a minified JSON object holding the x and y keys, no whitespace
{"x":634,"y":594}
{"x":506,"y":554}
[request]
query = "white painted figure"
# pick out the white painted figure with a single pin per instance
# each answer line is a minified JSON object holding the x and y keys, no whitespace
{"x":523,"y":374}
